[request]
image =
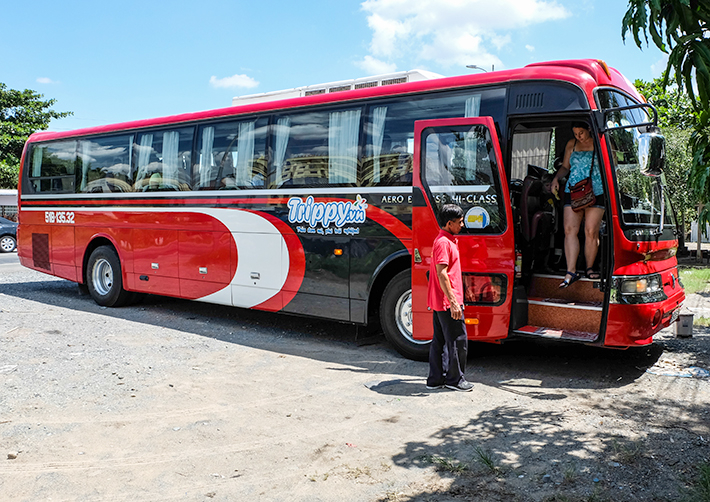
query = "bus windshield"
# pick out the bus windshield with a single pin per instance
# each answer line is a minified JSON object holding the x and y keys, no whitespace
{"x":641,"y":196}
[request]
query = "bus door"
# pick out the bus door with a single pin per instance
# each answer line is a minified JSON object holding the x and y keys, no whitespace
{"x":459,"y":161}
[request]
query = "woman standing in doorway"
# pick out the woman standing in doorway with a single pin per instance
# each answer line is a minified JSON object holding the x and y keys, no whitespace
{"x":580,"y":162}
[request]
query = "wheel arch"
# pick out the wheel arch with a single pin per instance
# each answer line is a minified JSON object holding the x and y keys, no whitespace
{"x":384,"y":273}
{"x":96,"y":242}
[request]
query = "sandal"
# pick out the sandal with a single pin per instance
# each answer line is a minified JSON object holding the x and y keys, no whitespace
{"x":574,"y":277}
{"x":591,"y":274}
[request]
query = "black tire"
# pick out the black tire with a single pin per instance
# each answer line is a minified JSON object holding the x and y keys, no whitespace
{"x":7,"y":244}
{"x":396,"y":318}
{"x":104,"y":278}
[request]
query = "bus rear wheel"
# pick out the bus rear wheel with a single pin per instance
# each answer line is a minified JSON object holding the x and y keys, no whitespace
{"x":396,"y":318}
{"x":104,"y":278}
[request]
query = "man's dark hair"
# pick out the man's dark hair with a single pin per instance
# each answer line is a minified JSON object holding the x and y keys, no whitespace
{"x":449,"y":212}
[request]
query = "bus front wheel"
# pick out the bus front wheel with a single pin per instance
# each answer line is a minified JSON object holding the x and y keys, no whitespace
{"x":396,"y":318}
{"x":104,"y":278}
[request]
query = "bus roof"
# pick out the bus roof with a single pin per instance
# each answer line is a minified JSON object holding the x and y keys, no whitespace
{"x":585,"y":73}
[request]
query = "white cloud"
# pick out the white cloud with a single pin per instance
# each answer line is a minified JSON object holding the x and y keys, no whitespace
{"x":530,"y":48}
{"x":451,"y":32}
{"x":46,"y":80}
{"x":373,"y":66}
{"x":659,"y":66}
{"x":233,"y":82}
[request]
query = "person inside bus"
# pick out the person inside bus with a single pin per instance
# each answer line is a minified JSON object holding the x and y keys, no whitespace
{"x":579,"y":161}
{"x":449,"y":346}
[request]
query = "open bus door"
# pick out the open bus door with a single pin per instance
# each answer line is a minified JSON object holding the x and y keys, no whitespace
{"x":459,"y":161}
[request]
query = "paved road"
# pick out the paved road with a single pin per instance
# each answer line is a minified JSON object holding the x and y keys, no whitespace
{"x":171,"y":400}
{"x":9,"y":262}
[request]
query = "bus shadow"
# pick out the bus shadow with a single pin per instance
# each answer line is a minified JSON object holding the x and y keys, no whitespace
{"x":535,"y":368}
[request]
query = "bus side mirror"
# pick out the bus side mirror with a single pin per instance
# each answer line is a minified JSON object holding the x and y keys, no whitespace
{"x":652,"y":152}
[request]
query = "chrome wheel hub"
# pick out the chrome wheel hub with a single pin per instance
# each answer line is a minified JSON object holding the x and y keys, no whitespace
{"x":102,"y":277}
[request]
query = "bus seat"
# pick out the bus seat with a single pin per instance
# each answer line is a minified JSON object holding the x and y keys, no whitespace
{"x":530,"y":207}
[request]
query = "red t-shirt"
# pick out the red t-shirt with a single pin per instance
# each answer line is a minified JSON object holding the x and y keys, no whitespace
{"x":445,"y":252}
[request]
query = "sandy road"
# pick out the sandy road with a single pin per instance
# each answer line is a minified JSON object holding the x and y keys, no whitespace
{"x":173,"y":400}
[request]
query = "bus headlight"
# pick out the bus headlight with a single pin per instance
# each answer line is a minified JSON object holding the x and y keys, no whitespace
{"x":637,"y":289}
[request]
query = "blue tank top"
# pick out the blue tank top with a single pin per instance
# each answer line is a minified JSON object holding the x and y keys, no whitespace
{"x":580,"y":163}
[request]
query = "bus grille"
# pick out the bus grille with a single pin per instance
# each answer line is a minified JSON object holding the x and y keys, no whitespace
{"x":532,"y":100}
{"x":40,"y":251}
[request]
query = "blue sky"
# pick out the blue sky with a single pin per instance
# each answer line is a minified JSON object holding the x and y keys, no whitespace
{"x":139,"y":59}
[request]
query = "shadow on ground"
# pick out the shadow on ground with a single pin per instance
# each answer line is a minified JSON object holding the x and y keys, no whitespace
{"x":551,"y":364}
{"x":513,"y":454}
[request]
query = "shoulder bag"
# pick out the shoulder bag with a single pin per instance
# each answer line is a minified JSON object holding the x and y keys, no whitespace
{"x":582,"y":193}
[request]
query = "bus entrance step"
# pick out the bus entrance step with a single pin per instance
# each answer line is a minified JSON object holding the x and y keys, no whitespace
{"x":558,"y":334}
{"x":561,"y":314}
{"x":548,"y":286}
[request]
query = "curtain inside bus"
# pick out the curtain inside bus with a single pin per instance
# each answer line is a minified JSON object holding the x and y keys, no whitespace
{"x":343,"y":136}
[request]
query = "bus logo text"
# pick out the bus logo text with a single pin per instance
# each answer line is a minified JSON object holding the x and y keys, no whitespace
{"x":325,"y":213}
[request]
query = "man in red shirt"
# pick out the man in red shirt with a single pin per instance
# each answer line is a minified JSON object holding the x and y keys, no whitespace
{"x":449,"y":347}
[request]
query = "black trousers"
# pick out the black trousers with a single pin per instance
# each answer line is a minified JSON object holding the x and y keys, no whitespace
{"x":448,"y":350}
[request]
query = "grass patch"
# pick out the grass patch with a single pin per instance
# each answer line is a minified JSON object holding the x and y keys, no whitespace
{"x":695,"y":280}
{"x":446,"y":464}
{"x":485,"y":458}
{"x":700,"y":491}
{"x":569,"y":473}
{"x":628,"y":452}
{"x":701,"y":321}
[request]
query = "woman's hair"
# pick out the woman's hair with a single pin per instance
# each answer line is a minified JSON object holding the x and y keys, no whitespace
{"x":449,"y":212}
{"x":581,"y":125}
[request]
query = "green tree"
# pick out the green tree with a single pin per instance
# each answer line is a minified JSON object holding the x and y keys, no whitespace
{"x":679,"y":28}
{"x":673,"y":105}
{"x":21,"y":114}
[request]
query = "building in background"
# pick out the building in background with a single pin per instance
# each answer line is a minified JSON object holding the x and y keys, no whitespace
{"x":8,"y":204}
{"x":400,"y":77}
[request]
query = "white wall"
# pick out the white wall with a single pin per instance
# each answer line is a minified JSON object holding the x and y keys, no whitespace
{"x":8,"y":197}
{"x":694,"y":233}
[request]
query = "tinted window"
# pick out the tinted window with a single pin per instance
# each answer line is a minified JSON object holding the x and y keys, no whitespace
{"x":105,"y":164}
{"x":316,"y":148}
{"x":163,"y":160}
{"x":53,"y":166}
{"x":459,"y":166}
{"x":231,"y":155}
{"x":390,"y":130}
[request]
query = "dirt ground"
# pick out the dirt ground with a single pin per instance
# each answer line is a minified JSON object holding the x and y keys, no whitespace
{"x":180,"y":401}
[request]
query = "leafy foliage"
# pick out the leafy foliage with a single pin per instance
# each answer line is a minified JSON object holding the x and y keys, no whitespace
{"x":8,"y":175}
{"x":21,"y":114}
{"x":673,"y":105}
{"x":678,"y":25}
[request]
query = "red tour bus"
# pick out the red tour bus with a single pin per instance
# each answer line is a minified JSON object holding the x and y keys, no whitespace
{"x":325,"y":206}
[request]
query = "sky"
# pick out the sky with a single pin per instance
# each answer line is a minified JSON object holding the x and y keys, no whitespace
{"x":115,"y":62}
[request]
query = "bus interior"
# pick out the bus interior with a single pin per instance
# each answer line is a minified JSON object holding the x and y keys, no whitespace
{"x":540,"y":307}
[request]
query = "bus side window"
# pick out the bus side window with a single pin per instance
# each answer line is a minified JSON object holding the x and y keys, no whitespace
{"x":390,"y":140}
{"x":105,"y":165}
{"x":390,"y":130}
{"x":166,"y":154}
{"x":231,"y":155}
{"x":316,"y":148}
{"x":53,"y":167}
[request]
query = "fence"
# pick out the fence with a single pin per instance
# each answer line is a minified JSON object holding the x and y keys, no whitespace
{"x":9,"y":212}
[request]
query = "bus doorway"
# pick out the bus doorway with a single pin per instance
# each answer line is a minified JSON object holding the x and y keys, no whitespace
{"x":544,"y":309}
